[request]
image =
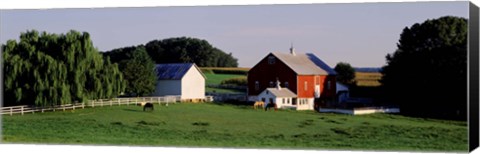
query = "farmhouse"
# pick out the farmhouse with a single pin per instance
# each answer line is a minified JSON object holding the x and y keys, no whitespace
{"x":180,"y":79}
{"x":304,"y":74}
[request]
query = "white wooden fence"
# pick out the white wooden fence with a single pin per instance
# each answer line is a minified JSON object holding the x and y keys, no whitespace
{"x":361,"y":111}
{"x":93,"y":103}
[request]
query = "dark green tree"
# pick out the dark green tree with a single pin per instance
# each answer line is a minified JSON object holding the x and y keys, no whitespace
{"x":49,"y":69}
{"x":189,"y":50}
{"x":427,"y":74}
{"x":139,"y":72}
{"x":345,"y":73}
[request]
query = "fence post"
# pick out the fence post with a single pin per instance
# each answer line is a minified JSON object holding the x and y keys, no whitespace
{"x":101,"y":102}
{"x":11,"y":111}
{"x":22,"y":110}
{"x":118,"y":102}
{"x":83,"y":105}
{"x":110,"y":102}
{"x":93,"y":103}
{"x":63,"y":106}
{"x":73,"y":107}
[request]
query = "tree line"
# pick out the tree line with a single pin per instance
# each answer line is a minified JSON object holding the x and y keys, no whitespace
{"x":47,"y":69}
{"x":179,"y":50}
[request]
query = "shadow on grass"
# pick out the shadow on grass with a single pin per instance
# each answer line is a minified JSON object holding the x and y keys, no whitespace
{"x":132,"y":110}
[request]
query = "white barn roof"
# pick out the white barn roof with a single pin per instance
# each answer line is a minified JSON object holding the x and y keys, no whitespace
{"x":305,"y":64}
{"x":282,"y":92}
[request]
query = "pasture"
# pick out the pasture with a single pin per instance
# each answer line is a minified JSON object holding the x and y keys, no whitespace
{"x":216,"y":79}
{"x":216,"y":125}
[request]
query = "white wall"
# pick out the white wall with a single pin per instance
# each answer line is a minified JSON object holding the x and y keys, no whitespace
{"x":193,"y":84}
{"x":168,"y":87}
{"x":307,"y":106}
{"x":288,"y":103}
{"x":266,"y":96}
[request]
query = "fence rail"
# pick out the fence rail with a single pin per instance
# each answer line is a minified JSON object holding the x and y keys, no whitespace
{"x":93,"y":103}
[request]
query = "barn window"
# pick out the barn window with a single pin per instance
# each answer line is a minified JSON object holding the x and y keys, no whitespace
{"x":283,"y":100}
{"x":328,"y":85}
{"x":271,"y":84}
{"x":286,"y":84}
{"x":257,"y":85}
{"x":271,"y":60}
{"x":306,"y":84}
{"x":288,"y":100}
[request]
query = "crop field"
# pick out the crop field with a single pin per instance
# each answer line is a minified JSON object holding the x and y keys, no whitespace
{"x":368,"y":79}
{"x":216,"y":125}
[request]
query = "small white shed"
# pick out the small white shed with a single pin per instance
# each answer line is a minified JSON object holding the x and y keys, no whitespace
{"x":283,"y":97}
{"x":181,"y":79}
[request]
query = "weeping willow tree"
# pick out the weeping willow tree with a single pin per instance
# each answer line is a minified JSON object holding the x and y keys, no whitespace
{"x":49,"y":69}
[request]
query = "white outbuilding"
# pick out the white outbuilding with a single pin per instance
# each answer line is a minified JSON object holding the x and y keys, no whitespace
{"x":180,"y":79}
{"x":282,"y":97}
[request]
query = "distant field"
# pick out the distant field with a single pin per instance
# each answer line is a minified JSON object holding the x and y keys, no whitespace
{"x":368,"y":79}
{"x":213,"y":125}
{"x":227,"y":68}
{"x":217,"y":78}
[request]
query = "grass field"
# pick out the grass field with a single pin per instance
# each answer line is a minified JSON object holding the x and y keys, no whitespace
{"x":368,"y":79}
{"x":217,"y":78}
{"x":213,"y":125}
{"x":227,"y":68}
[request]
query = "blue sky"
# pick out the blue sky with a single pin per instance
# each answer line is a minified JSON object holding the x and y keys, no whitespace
{"x":358,"y":33}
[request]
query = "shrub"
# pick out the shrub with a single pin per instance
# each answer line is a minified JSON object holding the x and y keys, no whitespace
{"x":225,"y":71}
{"x":207,"y":71}
{"x":239,"y":81}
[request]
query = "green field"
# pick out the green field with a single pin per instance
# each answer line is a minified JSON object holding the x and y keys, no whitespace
{"x":213,"y":125}
{"x":217,"y":79}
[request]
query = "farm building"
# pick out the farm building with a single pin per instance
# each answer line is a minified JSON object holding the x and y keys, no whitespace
{"x":283,"y":97}
{"x":304,"y":74}
{"x":180,"y":79}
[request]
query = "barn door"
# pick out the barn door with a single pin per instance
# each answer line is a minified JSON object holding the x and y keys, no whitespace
{"x":317,"y":91}
{"x":317,"y":87}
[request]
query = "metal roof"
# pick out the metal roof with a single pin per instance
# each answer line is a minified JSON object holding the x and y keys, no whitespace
{"x":282,"y":92}
{"x":305,"y":64}
{"x":173,"y":71}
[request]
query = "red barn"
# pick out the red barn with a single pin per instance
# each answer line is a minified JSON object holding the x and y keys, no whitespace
{"x":306,"y":75}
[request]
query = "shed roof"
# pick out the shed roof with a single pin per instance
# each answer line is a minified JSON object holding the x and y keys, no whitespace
{"x":282,"y":92}
{"x":305,"y":64}
{"x":174,"y":71}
